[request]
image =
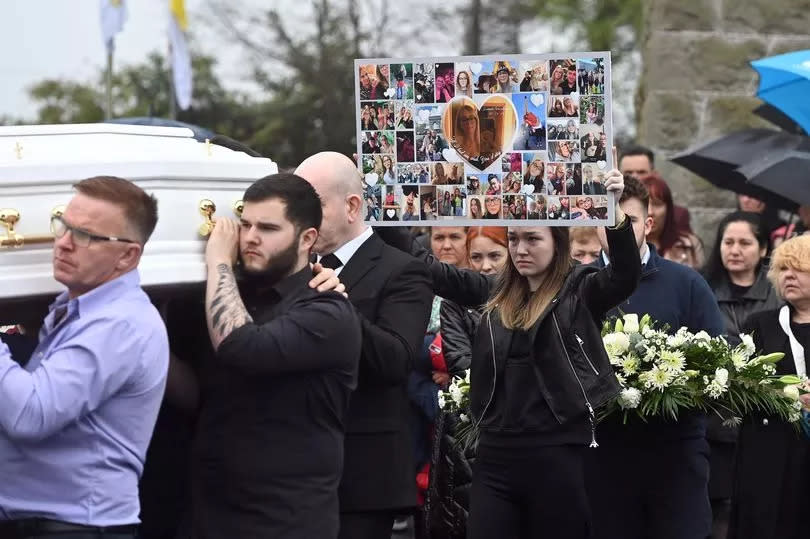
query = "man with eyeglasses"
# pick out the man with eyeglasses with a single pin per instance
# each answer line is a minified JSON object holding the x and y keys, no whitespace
{"x":76,"y":421}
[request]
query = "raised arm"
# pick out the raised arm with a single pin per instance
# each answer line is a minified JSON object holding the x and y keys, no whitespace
{"x":465,"y":287}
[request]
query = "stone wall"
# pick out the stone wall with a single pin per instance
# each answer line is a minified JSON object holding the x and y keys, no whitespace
{"x":697,"y":83}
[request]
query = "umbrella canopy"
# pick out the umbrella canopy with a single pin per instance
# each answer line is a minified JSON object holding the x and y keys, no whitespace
{"x":200,"y":133}
{"x":719,"y":160}
{"x":778,"y":118}
{"x":787,"y":175}
{"x":784,"y":82}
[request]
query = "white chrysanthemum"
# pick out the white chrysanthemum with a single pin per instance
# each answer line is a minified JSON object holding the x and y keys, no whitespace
{"x":648,"y":332}
{"x":621,"y":379}
{"x":792,"y":392}
{"x":463,"y":418}
{"x":616,"y":343}
{"x":656,"y":377}
{"x":629,"y":398}
{"x":738,"y":359}
{"x":467,"y":376}
{"x":441,"y":400}
{"x":629,"y":365}
{"x":748,"y":344}
{"x":673,"y":360}
{"x":677,"y":340}
{"x":631,"y":323}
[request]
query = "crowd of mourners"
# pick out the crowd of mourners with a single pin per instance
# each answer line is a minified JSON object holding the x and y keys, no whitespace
{"x":296,"y":394}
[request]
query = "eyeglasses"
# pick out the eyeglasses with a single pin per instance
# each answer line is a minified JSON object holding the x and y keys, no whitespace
{"x":81,"y":238}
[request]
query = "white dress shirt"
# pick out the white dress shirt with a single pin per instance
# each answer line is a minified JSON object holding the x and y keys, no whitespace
{"x":345,"y":252}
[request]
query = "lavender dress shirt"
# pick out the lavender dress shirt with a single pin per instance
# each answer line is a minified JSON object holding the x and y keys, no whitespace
{"x":75,"y":423}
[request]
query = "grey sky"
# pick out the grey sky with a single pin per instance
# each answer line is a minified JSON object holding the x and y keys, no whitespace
{"x":62,"y":39}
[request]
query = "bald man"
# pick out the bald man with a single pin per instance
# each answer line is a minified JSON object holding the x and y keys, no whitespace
{"x":392,"y":292}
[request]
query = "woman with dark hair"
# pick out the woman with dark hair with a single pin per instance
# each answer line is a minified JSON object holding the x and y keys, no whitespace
{"x":738,"y":276}
{"x":538,"y":372}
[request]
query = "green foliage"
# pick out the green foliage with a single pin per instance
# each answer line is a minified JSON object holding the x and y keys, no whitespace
{"x":602,"y":25}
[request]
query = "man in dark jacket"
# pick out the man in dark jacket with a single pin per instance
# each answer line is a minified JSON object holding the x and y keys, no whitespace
{"x":651,"y":479}
{"x":269,"y":452}
{"x":391,"y":294}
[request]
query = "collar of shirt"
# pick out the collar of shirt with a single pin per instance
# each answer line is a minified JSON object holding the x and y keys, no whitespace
{"x":644,"y":258}
{"x":346,"y":251}
{"x":292,"y":282}
{"x":99,"y":296}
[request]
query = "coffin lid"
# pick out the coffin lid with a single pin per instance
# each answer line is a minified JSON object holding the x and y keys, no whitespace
{"x":70,"y":152}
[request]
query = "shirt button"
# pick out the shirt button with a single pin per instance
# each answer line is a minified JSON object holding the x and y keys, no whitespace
{"x":765,"y":422}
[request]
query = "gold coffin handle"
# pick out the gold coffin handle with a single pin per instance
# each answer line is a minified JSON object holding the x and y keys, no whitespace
{"x":207,"y":210}
{"x":9,"y":217}
{"x":238,"y":206}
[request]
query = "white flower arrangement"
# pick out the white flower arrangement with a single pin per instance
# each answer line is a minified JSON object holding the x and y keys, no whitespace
{"x":663,"y":374}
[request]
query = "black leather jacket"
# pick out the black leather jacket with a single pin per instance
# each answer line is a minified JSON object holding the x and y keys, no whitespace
{"x":459,"y":325}
{"x":575,"y":375}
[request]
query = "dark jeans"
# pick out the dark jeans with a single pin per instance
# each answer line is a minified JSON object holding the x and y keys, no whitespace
{"x":529,"y":493}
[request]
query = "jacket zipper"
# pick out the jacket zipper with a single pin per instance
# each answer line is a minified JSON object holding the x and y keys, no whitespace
{"x":591,"y":414}
{"x":582,"y":348}
{"x":494,"y":370}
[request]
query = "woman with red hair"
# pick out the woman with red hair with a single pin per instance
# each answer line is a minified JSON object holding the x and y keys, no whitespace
{"x":673,"y":242}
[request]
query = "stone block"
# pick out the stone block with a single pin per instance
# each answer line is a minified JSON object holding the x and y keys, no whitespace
{"x":725,"y":115}
{"x":704,"y":223}
{"x":683,"y":15}
{"x":668,"y":120}
{"x":782,"y":45}
{"x":676,"y":61}
{"x":766,"y":17}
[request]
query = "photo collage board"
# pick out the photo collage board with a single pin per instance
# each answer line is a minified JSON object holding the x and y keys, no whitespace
{"x":485,"y":140}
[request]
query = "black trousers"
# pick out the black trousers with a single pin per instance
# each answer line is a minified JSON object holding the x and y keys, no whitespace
{"x":529,"y":493}
{"x":366,"y":525}
{"x":649,"y":490}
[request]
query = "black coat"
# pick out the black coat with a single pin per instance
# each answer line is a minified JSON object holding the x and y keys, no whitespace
{"x":391,"y":292}
{"x":459,"y":325}
{"x":771,"y":498}
{"x":760,"y":297}
{"x":575,"y":375}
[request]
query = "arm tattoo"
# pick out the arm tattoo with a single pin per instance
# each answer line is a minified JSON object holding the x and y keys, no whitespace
{"x":225,"y":310}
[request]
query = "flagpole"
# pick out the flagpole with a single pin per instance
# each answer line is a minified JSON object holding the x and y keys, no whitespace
{"x":172,"y":97}
{"x":108,"y":103}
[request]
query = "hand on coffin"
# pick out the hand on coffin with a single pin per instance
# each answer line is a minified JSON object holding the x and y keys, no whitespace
{"x":223,"y":245}
{"x":325,"y":279}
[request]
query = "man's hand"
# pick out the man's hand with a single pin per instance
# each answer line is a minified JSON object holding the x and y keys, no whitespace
{"x":326,"y":279}
{"x":223,"y":245}
{"x":441,"y":379}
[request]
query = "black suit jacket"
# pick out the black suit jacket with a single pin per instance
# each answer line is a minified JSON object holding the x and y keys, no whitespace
{"x":392,"y":293}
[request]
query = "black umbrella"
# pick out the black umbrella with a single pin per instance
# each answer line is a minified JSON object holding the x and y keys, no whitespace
{"x":719,"y":160}
{"x":785,"y":174}
{"x":779,"y":119}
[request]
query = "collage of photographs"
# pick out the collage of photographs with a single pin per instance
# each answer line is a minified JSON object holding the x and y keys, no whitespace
{"x":523,"y":138}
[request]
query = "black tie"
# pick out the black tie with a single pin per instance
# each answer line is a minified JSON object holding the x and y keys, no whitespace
{"x":331,"y":261}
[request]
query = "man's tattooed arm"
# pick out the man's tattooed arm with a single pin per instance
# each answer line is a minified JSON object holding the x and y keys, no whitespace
{"x":224,"y":308}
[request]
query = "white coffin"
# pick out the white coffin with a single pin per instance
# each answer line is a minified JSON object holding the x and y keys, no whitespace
{"x":39,"y":164}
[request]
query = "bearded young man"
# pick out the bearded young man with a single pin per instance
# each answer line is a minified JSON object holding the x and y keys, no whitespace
{"x":269,"y":451}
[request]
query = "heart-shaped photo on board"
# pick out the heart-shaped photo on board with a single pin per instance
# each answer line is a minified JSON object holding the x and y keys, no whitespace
{"x":372,"y":178}
{"x":528,"y":189}
{"x":480,"y":134}
{"x":601,"y":164}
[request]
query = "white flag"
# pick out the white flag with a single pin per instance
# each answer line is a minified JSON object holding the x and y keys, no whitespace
{"x":113,"y":17}
{"x":181,"y":59}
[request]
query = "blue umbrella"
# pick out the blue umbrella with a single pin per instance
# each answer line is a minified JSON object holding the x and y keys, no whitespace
{"x":784,"y":82}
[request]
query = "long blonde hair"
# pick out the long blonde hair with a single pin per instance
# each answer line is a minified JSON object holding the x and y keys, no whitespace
{"x":519,"y":307}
